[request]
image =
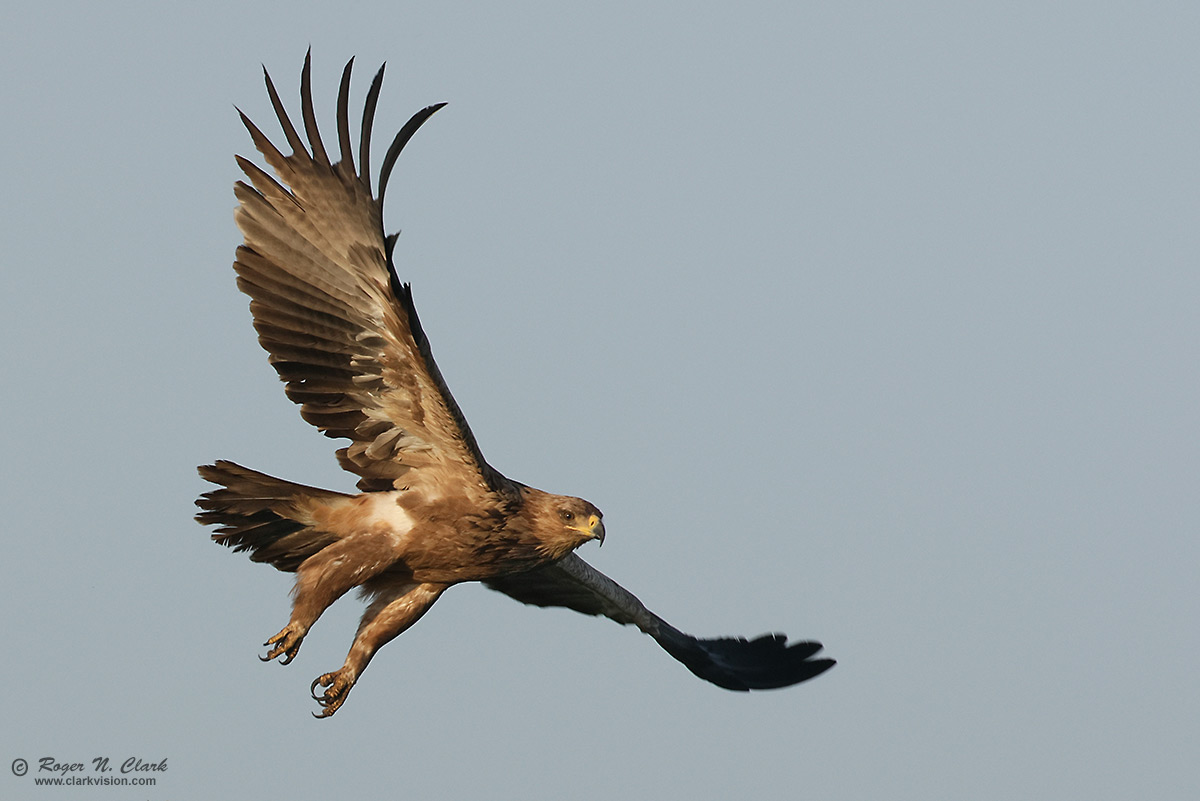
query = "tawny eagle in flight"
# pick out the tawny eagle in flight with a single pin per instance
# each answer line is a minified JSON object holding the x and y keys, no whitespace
{"x":343,"y":334}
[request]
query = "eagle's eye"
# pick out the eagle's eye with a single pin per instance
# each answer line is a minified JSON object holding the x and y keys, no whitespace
{"x":566,"y":516}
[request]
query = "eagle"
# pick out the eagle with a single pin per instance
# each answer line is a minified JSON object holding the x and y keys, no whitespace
{"x":343,"y":334}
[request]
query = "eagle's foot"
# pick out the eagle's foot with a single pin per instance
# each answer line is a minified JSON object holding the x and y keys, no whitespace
{"x":286,"y":642}
{"x":339,"y":683}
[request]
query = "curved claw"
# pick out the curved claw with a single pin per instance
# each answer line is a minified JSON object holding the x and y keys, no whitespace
{"x":339,"y":684}
{"x":287,"y":642}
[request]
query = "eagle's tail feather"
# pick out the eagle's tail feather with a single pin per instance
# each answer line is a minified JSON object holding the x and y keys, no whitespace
{"x":267,"y":516}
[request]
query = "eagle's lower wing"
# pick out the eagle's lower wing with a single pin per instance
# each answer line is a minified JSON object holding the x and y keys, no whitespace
{"x":735,"y":663}
{"x":341,"y":329}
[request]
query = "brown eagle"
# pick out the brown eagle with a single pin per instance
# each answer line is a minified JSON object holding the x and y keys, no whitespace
{"x":343,"y":334}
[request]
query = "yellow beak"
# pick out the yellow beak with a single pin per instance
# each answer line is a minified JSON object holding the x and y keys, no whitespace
{"x":594,"y":529}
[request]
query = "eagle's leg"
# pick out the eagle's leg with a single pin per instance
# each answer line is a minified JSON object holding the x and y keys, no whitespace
{"x":397,"y":605}
{"x":323,"y":578}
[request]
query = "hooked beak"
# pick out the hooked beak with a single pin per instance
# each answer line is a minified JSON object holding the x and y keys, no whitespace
{"x":595,"y":529}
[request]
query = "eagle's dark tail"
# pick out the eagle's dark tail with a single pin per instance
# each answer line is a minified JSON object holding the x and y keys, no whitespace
{"x":267,"y":516}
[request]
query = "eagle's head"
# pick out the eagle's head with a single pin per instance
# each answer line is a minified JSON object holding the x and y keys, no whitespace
{"x":562,"y":523}
{"x":578,"y":516}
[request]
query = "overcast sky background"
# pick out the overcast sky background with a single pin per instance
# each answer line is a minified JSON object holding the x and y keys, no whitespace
{"x":871,"y":323}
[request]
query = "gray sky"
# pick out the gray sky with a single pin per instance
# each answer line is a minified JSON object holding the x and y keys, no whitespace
{"x":875,"y":325}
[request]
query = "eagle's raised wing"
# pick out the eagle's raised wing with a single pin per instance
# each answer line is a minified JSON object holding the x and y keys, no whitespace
{"x":341,"y":329}
{"x":735,"y":663}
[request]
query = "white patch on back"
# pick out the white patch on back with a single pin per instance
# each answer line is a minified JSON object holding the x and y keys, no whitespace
{"x":385,"y":512}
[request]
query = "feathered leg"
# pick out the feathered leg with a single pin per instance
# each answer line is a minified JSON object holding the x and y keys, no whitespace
{"x":395,"y":608}
{"x":323,"y":578}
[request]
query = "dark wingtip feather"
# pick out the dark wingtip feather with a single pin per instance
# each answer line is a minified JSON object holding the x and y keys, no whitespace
{"x":765,"y":663}
{"x":309,"y":114}
{"x":261,"y":142}
{"x":368,"y":120}
{"x":406,"y":133}
{"x":289,"y":130}
{"x":343,"y":117}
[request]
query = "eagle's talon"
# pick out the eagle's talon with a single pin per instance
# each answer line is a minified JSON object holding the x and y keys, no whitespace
{"x":286,"y":642}
{"x":338,"y":685}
